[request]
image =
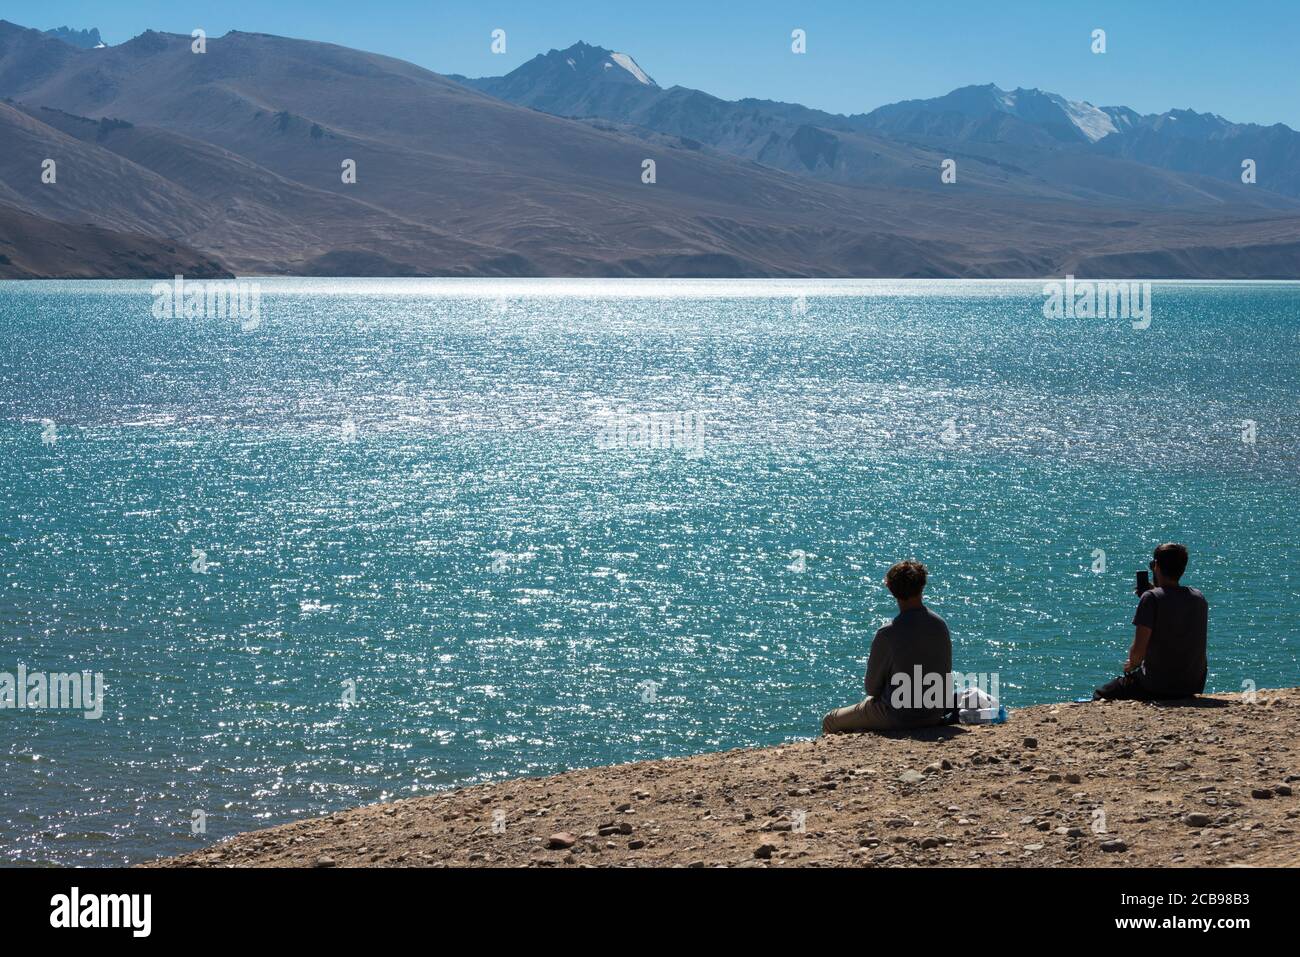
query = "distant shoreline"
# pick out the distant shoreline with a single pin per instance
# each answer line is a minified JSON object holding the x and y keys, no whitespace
{"x":1206,"y":783}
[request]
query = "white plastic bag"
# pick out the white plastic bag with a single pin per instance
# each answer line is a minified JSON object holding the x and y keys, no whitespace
{"x":978,"y":707}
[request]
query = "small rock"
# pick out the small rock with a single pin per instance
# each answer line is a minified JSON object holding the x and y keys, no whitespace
{"x":1282,"y":790}
{"x":1031,"y":742}
{"x":930,"y":843}
{"x":1197,"y":820}
{"x":1113,"y":847}
{"x":561,"y":840}
{"x":911,"y":777}
{"x":1262,"y":794}
{"x":764,"y":851}
{"x":635,"y":844}
{"x":324,"y":861}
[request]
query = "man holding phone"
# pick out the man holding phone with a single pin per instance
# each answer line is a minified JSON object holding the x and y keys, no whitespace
{"x":1168,"y":656}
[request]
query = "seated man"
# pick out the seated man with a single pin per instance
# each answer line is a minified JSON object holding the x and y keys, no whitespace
{"x":913,"y":647}
{"x":1167,"y":659}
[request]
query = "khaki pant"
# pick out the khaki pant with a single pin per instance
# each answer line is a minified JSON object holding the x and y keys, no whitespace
{"x":869,"y":714}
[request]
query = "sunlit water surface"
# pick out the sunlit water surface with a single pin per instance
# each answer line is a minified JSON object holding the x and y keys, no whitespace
{"x":401,"y":489}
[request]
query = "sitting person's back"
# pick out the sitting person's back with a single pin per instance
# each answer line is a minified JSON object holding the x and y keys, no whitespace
{"x":907,"y":681}
{"x":915,"y":645}
{"x":1171,"y":625}
{"x":1175,"y":663}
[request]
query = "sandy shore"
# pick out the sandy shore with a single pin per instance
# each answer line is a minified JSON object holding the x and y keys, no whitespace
{"x":1122,"y":784}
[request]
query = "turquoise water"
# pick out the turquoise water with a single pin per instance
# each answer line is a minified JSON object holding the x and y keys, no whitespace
{"x":498,"y":586}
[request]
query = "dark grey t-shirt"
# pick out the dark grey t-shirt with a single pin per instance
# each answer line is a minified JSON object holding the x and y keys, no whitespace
{"x":1175,"y":662}
{"x":917,"y":637}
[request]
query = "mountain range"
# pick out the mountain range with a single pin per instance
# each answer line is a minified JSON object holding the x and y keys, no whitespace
{"x":1022,"y":141}
{"x":230,"y":161}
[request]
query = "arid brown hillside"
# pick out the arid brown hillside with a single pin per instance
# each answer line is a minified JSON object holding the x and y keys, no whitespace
{"x":36,"y":248}
{"x":238,"y":152}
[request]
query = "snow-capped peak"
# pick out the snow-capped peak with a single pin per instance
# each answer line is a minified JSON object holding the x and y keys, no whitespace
{"x":627,"y":63}
{"x":1090,"y":121}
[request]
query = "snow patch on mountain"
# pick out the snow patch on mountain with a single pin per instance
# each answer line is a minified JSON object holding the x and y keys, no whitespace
{"x":1029,"y":105}
{"x":1090,"y":121}
{"x":627,"y":63}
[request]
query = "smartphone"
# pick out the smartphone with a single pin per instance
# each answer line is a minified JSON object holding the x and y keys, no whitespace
{"x":1143,"y":582}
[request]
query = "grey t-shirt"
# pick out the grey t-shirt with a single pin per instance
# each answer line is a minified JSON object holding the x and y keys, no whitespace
{"x":1175,"y":663}
{"x":917,"y":637}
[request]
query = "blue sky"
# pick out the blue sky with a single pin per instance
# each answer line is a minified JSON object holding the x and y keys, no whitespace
{"x":1238,"y":60}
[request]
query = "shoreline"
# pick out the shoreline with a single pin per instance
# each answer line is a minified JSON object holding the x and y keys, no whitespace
{"x":1203,"y":783}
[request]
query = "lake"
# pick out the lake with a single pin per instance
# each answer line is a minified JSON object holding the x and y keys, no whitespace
{"x":391,"y":537}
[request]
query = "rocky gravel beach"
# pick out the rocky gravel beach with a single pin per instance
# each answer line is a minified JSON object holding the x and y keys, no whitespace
{"x":1205,"y":783}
